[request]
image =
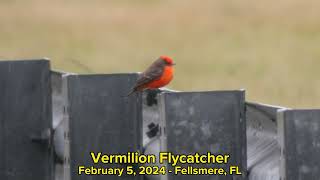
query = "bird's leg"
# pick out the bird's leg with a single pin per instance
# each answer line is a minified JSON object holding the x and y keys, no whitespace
{"x":152,"y":96}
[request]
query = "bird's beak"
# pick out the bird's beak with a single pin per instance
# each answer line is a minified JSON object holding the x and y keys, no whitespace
{"x":173,"y":64}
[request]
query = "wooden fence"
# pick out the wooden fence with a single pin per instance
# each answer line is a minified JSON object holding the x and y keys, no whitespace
{"x":50,"y":122}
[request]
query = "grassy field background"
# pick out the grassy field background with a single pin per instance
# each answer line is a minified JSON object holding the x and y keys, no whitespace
{"x":269,"y":47}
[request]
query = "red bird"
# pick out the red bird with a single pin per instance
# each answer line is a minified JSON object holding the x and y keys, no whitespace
{"x":158,"y":74}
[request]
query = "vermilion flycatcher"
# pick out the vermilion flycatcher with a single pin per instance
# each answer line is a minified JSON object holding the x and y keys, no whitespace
{"x":158,"y":74}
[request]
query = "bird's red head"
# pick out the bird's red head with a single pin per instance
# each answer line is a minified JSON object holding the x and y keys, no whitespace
{"x":167,"y":59}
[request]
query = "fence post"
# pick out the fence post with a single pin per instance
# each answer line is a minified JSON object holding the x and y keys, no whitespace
{"x":201,"y":122}
{"x":299,"y":134}
{"x":102,"y":120}
{"x":25,"y":120}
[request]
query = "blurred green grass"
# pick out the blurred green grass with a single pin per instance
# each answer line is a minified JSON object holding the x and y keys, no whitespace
{"x":270,"y":48}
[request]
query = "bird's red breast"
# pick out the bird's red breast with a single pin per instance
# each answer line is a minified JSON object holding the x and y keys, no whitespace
{"x":164,"y":79}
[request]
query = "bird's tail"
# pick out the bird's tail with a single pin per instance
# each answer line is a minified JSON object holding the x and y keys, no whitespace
{"x":130,"y":93}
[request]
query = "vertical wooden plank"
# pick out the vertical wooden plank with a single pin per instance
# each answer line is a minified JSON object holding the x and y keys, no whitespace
{"x":25,"y":112}
{"x":102,"y":120}
{"x":201,"y":122}
{"x":299,"y":134}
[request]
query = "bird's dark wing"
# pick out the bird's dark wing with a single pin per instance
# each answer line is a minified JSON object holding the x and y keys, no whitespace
{"x":154,"y":72}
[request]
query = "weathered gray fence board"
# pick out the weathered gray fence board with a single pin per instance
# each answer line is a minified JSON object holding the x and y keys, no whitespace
{"x":25,"y":111}
{"x":202,"y":122}
{"x":299,"y":132}
{"x":101,"y":120}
